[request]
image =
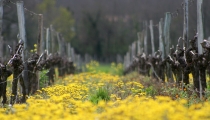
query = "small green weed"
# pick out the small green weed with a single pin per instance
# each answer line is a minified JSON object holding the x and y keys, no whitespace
{"x":150,"y":91}
{"x":101,"y":94}
{"x":43,"y":78}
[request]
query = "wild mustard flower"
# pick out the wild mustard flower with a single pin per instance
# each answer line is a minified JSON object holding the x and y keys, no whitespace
{"x":71,"y":101}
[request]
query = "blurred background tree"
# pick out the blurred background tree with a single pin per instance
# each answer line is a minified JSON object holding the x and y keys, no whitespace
{"x":60,"y":17}
{"x":101,"y":28}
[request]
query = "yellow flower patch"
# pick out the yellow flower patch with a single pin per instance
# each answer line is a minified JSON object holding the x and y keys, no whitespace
{"x":70,"y":101}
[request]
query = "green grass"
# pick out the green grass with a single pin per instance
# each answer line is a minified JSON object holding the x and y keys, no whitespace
{"x":107,"y":68}
{"x":100,"y":94}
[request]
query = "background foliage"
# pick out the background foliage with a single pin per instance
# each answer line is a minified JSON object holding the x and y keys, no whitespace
{"x":106,"y":28}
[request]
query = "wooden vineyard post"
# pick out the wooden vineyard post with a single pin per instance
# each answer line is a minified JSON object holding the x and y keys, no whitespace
{"x":69,"y":50}
{"x":59,"y":43}
{"x":52,"y":39}
{"x":87,"y":58}
{"x":72,"y":54}
{"x":133,"y":49}
{"x":139,"y":43}
{"x":200,"y":35}
{"x":43,"y":43}
{"x":1,"y":38}
{"x":130,"y":53}
{"x":39,"y":42}
{"x":167,"y":32}
{"x":124,"y":62}
{"x":145,"y":38}
{"x":1,"y":48}
{"x":78,"y":58}
{"x":22,"y":33}
{"x":47,"y":41}
{"x":63,"y":47}
{"x":128,"y":59}
{"x":185,"y":32}
{"x":14,"y":44}
{"x":152,"y":36}
{"x":199,"y":25}
{"x":40,"y":34}
{"x":167,"y":41}
{"x":161,"y":42}
{"x":142,"y":41}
